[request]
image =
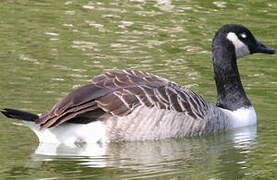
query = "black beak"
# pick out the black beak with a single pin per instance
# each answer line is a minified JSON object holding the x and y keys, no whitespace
{"x":261,"y":48}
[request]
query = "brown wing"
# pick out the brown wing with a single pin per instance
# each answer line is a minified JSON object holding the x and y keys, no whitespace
{"x":134,"y":88}
{"x":77,"y":105}
{"x":119,"y":93}
{"x":171,"y":97}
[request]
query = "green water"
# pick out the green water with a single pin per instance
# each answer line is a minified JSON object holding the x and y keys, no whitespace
{"x":48,"y":48}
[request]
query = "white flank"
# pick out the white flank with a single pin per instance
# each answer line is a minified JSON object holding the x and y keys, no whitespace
{"x":240,"y":47}
{"x":241,"y":117}
{"x":71,"y":134}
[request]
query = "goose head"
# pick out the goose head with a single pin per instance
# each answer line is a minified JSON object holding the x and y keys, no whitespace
{"x":231,"y":42}
{"x":239,"y":39}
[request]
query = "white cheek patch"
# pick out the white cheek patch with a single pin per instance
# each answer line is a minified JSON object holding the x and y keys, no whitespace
{"x":240,"y":47}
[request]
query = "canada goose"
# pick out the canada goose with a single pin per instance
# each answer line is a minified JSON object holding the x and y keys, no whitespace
{"x":132,"y":105}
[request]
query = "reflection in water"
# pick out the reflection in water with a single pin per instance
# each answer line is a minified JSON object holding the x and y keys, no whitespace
{"x":227,"y":151}
{"x":165,"y":5}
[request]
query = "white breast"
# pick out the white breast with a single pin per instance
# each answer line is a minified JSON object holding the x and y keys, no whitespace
{"x":241,"y":117}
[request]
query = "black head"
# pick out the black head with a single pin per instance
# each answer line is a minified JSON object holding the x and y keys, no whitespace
{"x":242,"y":39}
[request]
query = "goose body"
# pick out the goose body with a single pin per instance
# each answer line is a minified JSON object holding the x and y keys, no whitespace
{"x":133,"y":105}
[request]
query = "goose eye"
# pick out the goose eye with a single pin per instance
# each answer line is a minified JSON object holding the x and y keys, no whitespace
{"x":243,"y":35}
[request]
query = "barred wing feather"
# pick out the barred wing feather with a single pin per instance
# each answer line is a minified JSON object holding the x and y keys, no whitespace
{"x":126,"y":78}
{"x":118,"y":94}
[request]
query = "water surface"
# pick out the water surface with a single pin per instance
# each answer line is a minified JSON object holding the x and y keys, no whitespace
{"x":50,"y":47}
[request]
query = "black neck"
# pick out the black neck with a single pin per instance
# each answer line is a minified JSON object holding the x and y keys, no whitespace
{"x":230,"y":92}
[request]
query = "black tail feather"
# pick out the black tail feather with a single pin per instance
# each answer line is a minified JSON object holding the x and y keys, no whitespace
{"x":21,"y":115}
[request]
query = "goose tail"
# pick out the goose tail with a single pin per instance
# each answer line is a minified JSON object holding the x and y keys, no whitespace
{"x":18,"y":114}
